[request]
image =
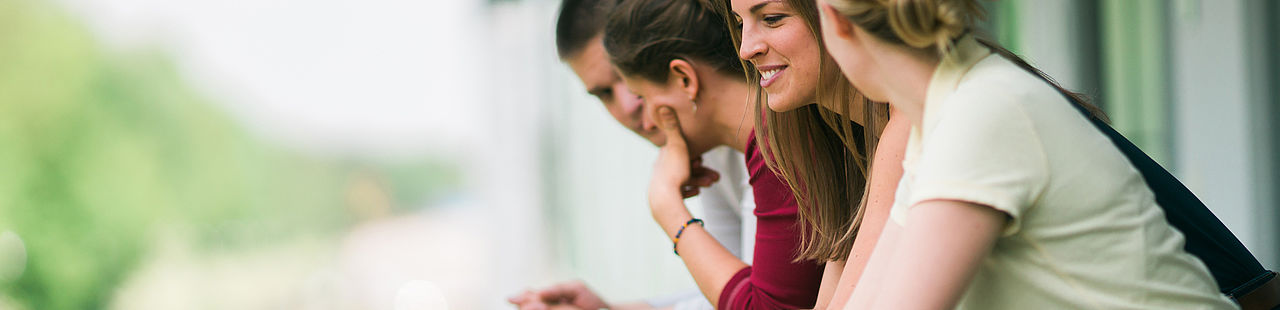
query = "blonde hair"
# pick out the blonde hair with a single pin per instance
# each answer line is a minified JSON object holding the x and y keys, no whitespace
{"x":917,"y":23}
{"x":936,"y":24}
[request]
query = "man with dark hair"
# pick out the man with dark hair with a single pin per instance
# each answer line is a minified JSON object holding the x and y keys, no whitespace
{"x":579,"y":35}
{"x":727,"y":204}
{"x":580,"y":22}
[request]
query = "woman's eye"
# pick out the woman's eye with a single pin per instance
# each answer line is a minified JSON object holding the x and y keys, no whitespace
{"x":772,"y":19}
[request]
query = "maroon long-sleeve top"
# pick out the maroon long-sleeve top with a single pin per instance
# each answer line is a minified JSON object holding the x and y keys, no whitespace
{"x":773,"y":281}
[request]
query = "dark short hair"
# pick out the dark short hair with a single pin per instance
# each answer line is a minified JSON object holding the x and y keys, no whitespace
{"x":579,"y":22}
{"x":644,"y":36}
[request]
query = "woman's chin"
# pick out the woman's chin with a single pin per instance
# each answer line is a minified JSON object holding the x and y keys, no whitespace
{"x":784,"y":104}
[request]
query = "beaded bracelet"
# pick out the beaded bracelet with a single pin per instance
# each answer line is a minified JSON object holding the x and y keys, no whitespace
{"x":676,"y":241}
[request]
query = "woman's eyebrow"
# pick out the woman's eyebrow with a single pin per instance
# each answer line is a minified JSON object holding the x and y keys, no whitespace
{"x":760,"y":5}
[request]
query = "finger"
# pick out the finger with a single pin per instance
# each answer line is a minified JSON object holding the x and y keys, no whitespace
{"x":703,"y":177}
{"x":531,"y":302}
{"x":670,"y":125}
{"x":700,"y":182}
{"x":551,"y":296}
{"x":555,"y":293}
{"x":690,"y":191}
{"x":534,"y":306}
{"x":523,"y":297}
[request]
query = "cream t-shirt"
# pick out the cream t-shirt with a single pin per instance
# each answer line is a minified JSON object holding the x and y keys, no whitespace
{"x":1084,"y":230}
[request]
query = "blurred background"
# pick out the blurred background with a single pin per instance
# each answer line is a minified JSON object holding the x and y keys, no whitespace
{"x":384,"y":154}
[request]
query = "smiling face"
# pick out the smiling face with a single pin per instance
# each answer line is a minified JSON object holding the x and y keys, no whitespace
{"x":591,"y":65}
{"x":778,"y":42}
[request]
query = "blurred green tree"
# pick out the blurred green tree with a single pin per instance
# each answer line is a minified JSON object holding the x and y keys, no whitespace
{"x":100,"y":150}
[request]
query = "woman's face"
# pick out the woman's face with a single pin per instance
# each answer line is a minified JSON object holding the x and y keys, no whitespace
{"x":776,"y":40}
{"x":695,"y":123}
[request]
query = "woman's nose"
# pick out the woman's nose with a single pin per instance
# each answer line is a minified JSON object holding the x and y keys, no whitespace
{"x":647,"y":122}
{"x":751,"y":46}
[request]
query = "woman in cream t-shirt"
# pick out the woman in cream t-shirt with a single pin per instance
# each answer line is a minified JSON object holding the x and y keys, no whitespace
{"x":1011,"y":198}
{"x":1082,"y":229}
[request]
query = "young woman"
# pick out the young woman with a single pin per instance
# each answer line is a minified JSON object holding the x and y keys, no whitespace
{"x":678,"y":56}
{"x":1011,"y":198}
{"x":808,"y":97}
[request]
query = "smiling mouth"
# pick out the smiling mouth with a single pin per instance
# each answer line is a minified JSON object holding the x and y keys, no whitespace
{"x":770,"y":74}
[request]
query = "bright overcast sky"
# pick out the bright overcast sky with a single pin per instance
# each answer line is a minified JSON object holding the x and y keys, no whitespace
{"x":352,"y":76}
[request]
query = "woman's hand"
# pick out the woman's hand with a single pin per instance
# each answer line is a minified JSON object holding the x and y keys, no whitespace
{"x":700,"y":176}
{"x":675,"y":175}
{"x":572,"y":294}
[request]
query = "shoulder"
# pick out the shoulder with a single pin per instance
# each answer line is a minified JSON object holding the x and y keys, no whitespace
{"x":996,"y":88}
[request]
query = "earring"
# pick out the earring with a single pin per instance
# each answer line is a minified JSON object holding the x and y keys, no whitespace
{"x":695,"y":105}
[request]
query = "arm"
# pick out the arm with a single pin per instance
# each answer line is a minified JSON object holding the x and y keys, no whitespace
{"x":709,"y":262}
{"x":873,"y":275}
{"x":886,"y":171}
{"x":830,"y":280}
{"x":934,"y":259}
{"x":775,"y":281}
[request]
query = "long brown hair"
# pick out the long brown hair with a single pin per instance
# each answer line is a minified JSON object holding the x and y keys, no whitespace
{"x":818,"y":149}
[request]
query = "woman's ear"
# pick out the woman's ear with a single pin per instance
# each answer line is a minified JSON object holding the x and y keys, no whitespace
{"x":842,"y":26}
{"x":682,"y":75}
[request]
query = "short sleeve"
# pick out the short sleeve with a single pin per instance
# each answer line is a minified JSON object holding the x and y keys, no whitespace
{"x":981,"y":150}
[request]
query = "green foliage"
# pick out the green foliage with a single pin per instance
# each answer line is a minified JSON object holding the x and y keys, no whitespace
{"x":98,"y":151}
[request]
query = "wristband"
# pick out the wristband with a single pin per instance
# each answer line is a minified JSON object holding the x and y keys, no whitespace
{"x":676,"y":241}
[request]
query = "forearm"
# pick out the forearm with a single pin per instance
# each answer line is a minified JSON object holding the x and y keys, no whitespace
{"x":710,"y":264}
{"x":938,"y":254}
{"x":874,"y":274}
{"x":830,"y":280}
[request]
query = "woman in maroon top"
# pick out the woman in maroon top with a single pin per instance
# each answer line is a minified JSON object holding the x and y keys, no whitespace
{"x":679,"y":57}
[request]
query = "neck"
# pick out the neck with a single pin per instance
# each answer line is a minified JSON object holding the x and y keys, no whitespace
{"x":728,"y":105}
{"x":907,"y":84}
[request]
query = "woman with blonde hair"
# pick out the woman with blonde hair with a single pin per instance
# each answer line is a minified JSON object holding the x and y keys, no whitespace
{"x":1011,"y":198}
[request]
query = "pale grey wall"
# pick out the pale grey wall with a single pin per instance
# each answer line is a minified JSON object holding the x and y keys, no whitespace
{"x":1217,"y":147}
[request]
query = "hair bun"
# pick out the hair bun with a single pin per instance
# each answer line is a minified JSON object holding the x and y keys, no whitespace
{"x":926,"y":23}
